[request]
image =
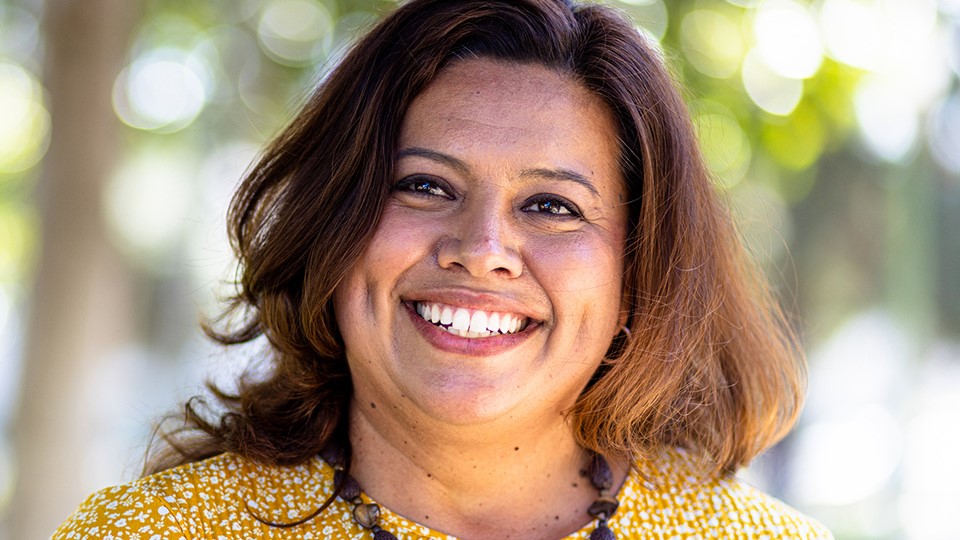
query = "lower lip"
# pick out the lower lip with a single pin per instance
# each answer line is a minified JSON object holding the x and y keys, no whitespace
{"x":451,"y":343}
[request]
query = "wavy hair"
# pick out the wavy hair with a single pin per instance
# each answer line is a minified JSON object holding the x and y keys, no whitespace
{"x":710,"y":364}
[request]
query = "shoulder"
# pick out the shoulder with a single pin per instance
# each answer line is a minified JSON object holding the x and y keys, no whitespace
{"x":673,"y":495}
{"x":122,"y":512}
{"x":199,"y":499}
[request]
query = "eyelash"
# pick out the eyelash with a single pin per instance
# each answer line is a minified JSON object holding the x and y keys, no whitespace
{"x":547,"y":203}
{"x":428,"y":187}
{"x":423,"y":187}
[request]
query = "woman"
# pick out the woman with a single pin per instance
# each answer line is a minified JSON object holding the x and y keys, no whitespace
{"x":502,"y":300}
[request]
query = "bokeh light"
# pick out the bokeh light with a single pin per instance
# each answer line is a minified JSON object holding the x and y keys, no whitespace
{"x":853,"y":32}
{"x":909,"y":73}
{"x":146,"y":205}
{"x":712,"y":42}
{"x":296,"y":32}
{"x":788,"y":39}
{"x":888,"y":122}
{"x":163,"y":90}
{"x":24,"y":120}
{"x":19,"y":33}
{"x":929,"y":497}
{"x":847,"y":458}
{"x":725,"y":146}
{"x":770,"y":90}
{"x":852,"y":445}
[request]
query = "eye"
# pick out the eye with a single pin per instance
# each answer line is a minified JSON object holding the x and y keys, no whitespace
{"x":553,"y":205}
{"x":424,"y":187}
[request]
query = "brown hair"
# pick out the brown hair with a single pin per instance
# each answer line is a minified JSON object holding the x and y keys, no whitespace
{"x":709,"y":364}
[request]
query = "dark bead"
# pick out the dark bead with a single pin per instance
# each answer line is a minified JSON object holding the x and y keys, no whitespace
{"x":350,"y":490}
{"x":366,"y":514}
{"x":602,"y":532}
{"x":598,"y":470}
{"x":603,"y":508}
{"x":334,"y":455}
{"x":380,"y":534}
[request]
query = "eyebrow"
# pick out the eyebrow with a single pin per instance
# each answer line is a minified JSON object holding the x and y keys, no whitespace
{"x":462,"y":167}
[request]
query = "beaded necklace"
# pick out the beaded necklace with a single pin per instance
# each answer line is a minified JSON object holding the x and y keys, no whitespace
{"x":367,"y":515}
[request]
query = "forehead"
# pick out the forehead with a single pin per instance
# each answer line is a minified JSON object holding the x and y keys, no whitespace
{"x":526,"y":111}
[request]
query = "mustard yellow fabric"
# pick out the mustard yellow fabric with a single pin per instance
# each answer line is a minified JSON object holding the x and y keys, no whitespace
{"x":218,"y":499}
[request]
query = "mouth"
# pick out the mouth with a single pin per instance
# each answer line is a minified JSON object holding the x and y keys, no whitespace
{"x":470,"y":323}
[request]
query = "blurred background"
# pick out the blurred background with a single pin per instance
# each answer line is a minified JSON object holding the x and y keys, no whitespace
{"x":832,"y":127}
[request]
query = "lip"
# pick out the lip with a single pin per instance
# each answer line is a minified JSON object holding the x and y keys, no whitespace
{"x":450,"y":343}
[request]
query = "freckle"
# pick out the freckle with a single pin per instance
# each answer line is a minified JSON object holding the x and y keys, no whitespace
{"x":429,"y":475}
{"x":373,"y":405}
{"x":428,"y":517}
{"x":575,"y":484}
{"x":556,"y":518}
{"x":516,"y":448}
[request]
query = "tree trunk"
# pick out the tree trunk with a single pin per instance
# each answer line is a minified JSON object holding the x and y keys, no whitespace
{"x":80,"y":309}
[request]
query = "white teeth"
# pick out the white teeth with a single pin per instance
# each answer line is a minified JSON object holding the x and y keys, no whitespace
{"x":461,"y":319}
{"x":469,"y":323}
{"x":505,"y":323}
{"x":493,"y":322}
{"x":478,"y":322}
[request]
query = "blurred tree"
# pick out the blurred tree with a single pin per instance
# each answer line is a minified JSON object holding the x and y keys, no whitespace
{"x":81,"y":302}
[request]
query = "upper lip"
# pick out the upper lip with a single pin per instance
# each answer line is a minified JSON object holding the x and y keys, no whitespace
{"x":476,"y":300}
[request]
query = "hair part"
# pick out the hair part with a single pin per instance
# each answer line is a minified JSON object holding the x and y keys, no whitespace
{"x":710,"y":364}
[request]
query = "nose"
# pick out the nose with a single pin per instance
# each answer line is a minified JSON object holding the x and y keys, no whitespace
{"x":482,"y":245}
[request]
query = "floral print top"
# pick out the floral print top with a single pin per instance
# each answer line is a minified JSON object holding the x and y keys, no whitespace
{"x":222,"y":497}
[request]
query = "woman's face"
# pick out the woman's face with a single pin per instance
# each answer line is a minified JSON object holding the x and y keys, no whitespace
{"x":505,"y":229}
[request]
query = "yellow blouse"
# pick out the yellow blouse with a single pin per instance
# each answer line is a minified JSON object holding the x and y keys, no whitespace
{"x":218,"y":498}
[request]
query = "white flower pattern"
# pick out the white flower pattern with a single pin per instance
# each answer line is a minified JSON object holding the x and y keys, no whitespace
{"x":222,"y":497}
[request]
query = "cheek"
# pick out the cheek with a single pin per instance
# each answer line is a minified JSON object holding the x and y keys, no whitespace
{"x":399,"y":241}
{"x":397,"y":245}
{"x":582,"y":273}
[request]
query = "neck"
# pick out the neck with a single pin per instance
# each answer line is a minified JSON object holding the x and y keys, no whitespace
{"x":505,"y":479}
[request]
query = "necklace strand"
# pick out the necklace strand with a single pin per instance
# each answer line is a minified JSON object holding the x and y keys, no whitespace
{"x":367,"y":515}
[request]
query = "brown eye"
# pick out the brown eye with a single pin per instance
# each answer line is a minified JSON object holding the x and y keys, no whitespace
{"x":552,"y":205}
{"x":423,"y":186}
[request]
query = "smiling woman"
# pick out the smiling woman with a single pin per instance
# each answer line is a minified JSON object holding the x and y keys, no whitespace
{"x":501,"y":296}
{"x":481,"y":222}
